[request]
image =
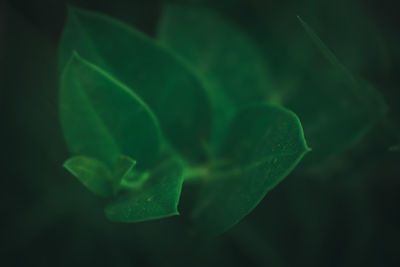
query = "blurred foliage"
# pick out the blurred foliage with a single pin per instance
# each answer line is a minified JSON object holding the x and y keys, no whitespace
{"x":344,"y":215}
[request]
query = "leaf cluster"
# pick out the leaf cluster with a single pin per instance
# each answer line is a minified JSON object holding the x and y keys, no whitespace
{"x":196,"y":105}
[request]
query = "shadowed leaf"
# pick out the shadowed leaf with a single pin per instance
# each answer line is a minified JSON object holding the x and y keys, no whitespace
{"x":337,"y":109}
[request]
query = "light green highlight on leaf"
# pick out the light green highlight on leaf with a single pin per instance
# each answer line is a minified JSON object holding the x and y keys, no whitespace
{"x":264,"y":144}
{"x":102,"y":118}
{"x":158,"y":76}
{"x":395,"y":148}
{"x":157,"y":197}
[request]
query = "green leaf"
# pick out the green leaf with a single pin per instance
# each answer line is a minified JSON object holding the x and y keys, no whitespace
{"x":337,"y":109}
{"x":93,"y":174}
{"x":103,"y":119}
{"x":160,"y":78}
{"x":264,"y":144}
{"x":229,"y":62}
{"x":156,"y":196}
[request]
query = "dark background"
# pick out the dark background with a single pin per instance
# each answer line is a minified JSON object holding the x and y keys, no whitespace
{"x":347,"y":215}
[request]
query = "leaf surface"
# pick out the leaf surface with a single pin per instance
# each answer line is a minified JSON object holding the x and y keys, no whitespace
{"x":156,"y":196}
{"x":103,"y":119}
{"x":263,"y":146}
{"x":160,"y":78}
{"x":229,"y":62}
{"x":93,"y":174}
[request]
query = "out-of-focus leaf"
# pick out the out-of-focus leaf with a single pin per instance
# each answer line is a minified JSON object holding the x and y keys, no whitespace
{"x":336,"y":108}
{"x":156,"y":196}
{"x":161,"y":79}
{"x":103,"y":119}
{"x":263,"y":146}
{"x":347,"y":76}
{"x":231,"y":65}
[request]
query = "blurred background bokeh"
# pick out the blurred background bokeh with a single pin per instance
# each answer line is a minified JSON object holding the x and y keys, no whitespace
{"x":345,"y":214}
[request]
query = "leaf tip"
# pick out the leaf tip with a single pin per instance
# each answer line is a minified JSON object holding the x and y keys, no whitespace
{"x":128,"y":159}
{"x":302,"y":22}
{"x":67,"y":165}
{"x":75,"y":55}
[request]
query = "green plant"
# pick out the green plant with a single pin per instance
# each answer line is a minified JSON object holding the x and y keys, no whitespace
{"x":196,"y":106}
